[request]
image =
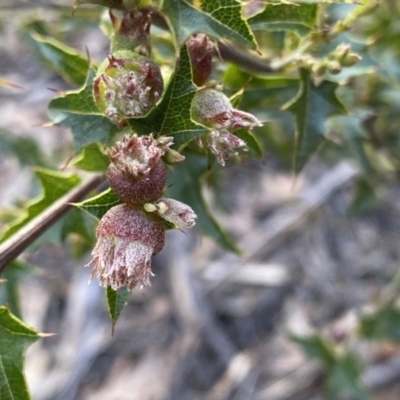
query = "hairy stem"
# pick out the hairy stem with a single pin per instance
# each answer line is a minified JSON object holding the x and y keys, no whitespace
{"x":16,"y":244}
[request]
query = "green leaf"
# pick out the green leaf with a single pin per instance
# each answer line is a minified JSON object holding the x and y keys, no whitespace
{"x":251,"y":142}
{"x":9,"y":294}
{"x":344,"y":379}
{"x":15,"y":338}
{"x":277,"y":17}
{"x":382,"y":324}
{"x":172,"y":116}
{"x":220,"y":19}
{"x":312,"y":106}
{"x":353,"y":132}
{"x":100,"y":204}
{"x":25,"y":149}
{"x":91,"y":158}
{"x":185,"y":182}
{"x":69,"y":63}
{"x":364,"y":198}
{"x":78,"y":111}
{"x":54,"y":185}
{"x":315,"y":348}
{"x":116,"y":302}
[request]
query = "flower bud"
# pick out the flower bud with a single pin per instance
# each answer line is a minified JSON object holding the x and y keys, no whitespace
{"x":200,"y":49}
{"x":136,"y":173}
{"x":174,"y":211}
{"x":133,"y":33}
{"x":351,"y":59}
{"x":172,"y":157}
{"x":334,"y":67}
{"x":127,"y":239}
{"x":127,"y":85}
{"x":214,"y":110}
{"x":319,"y":68}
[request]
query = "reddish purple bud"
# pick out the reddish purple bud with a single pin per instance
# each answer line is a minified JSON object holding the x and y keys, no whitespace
{"x":127,"y":85}
{"x":200,"y":49}
{"x":127,"y":239}
{"x":136,"y":173}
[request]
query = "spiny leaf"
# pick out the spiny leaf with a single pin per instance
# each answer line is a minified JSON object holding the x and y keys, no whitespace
{"x":185,"y":185}
{"x":172,"y":115}
{"x":219,"y":19}
{"x":91,"y":158}
{"x":69,"y":63}
{"x":54,"y":185}
{"x":100,"y":204}
{"x":77,"y":110}
{"x":116,"y":302}
{"x":277,"y":17}
{"x":15,"y":338}
{"x":312,"y":106}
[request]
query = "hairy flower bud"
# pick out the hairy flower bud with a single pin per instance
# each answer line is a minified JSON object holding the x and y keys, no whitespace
{"x":200,"y":49}
{"x":136,"y":173}
{"x":174,"y":211}
{"x":127,"y":85}
{"x":127,"y":239}
{"x":214,"y":110}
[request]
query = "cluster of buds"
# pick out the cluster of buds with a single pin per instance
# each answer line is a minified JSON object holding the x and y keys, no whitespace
{"x":213,"y":109}
{"x":340,"y":58}
{"x":130,"y":234}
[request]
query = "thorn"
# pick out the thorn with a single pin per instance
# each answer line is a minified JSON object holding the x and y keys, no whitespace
{"x":218,"y":51}
{"x":58,"y":91}
{"x":113,"y":327}
{"x":44,"y":335}
{"x":114,"y":20}
{"x":68,"y":161}
{"x":88,"y":55}
{"x":10,"y":85}
{"x":44,"y":125}
{"x":74,"y":7}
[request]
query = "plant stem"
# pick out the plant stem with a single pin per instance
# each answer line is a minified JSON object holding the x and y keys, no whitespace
{"x":17,"y":243}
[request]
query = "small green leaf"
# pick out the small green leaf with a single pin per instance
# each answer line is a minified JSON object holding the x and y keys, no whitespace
{"x":172,"y":116}
{"x":251,"y":142}
{"x":344,"y":379}
{"x":78,"y":111}
{"x":9,"y":294}
{"x":15,"y":338}
{"x":69,"y":63}
{"x":364,"y":198}
{"x":382,"y":324}
{"x":220,"y":19}
{"x":91,"y":158}
{"x":353,"y":132}
{"x":54,"y":185}
{"x":312,"y":106}
{"x":277,"y":17}
{"x":25,"y":149}
{"x":185,"y":183}
{"x":100,"y":204}
{"x":315,"y":348}
{"x":116,"y":302}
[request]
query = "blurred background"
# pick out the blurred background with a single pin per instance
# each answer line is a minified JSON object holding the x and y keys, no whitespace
{"x":310,"y":312}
